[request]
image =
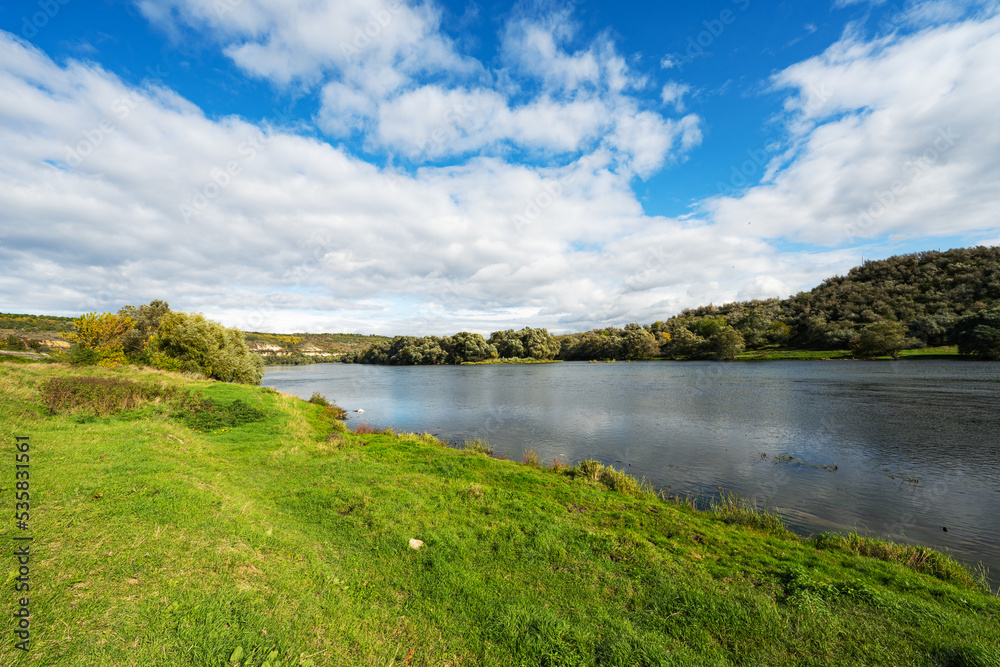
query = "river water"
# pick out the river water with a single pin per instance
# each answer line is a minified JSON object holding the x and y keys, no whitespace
{"x":894,"y":449}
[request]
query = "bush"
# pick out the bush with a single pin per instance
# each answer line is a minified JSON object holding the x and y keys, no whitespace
{"x":205,"y":414}
{"x":14,"y":344}
{"x":102,"y":396}
{"x":879,"y":339}
{"x":979,"y":334}
{"x":337,"y":411}
{"x":204,"y":346}
{"x":103,"y":334}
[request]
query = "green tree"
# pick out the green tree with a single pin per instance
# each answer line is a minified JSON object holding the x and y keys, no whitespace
{"x":979,"y":334}
{"x":190,"y":342}
{"x":147,"y":320}
{"x":465,"y":346}
{"x":727,"y":344}
{"x":879,"y":339}
{"x":684,"y":344}
{"x":638,"y":344}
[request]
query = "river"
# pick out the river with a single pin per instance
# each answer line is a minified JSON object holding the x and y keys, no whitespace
{"x":901,"y":449}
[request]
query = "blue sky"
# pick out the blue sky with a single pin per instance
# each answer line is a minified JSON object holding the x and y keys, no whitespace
{"x":399,"y":167}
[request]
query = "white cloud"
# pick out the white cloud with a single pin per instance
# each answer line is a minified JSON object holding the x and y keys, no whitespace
{"x":278,"y":231}
{"x":894,"y":137}
{"x":111,"y":194}
{"x":673,"y":94}
{"x":379,"y":45}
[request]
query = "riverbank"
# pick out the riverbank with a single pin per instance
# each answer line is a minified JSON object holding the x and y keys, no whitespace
{"x":250,"y":523}
{"x":944,"y":352}
{"x":510,"y":362}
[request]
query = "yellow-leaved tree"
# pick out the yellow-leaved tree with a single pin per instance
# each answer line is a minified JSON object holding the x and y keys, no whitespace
{"x":99,"y":338}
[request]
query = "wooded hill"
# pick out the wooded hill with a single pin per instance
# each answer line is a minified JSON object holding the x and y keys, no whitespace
{"x":927,"y":292}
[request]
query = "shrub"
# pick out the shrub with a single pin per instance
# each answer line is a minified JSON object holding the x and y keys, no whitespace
{"x":205,"y":414}
{"x":103,"y":335}
{"x":204,"y":346}
{"x":734,"y":509}
{"x":880,"y":339}
{"x":478,"y":446}
{"x":321,"y":400}
{"x":14,"y":344}
{"x":102,"y":396}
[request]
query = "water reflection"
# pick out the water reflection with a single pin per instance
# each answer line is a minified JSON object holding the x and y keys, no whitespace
{"x":900,"y":449}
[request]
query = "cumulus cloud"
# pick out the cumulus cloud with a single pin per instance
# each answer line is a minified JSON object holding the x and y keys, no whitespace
{"x":115,"y":194}
{"x":893,"y":137}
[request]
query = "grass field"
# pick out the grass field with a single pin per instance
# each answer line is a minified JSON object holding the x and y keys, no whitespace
{"x":185,"y":522}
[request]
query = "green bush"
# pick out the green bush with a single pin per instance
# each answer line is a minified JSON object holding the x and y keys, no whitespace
{"x":319,"y":399}
{"x":204,"y":346}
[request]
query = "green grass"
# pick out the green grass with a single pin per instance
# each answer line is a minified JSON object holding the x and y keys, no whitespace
{"x":510,"y":361}
{"x":948,"y":351}
{"x":284,"y":541}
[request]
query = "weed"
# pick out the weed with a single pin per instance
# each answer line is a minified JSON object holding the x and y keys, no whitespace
{"x":102,"y":396}
{"x":590,"y":469}
{"x":735,"y":509}
{"x":618,"y":480}
{"x":478,"y":446}
{"x":615,"y":480}
{"x":916,"y":558}
{"x":531,"y":459}
{"x":367,"y":429}
{"x":321,"y":400}
{"x":208,"y":415}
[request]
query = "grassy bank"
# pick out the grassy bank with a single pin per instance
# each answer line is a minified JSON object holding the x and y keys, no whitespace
{"x":945,"y":352}
{"x":511,"y":361}
{"x":182,"y":522}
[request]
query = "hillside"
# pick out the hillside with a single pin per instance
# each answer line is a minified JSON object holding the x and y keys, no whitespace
{"x":181,"y":522}
{"x":926,"y":291}
{"x":304,"y":348}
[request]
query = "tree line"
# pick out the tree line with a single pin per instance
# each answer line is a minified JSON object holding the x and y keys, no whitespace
{"x":153,"y":335}
{"x":879,"y":308}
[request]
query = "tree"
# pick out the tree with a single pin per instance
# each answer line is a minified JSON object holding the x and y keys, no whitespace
{"x":881,"y":338}
{"x":465,"y":346}
{"x":727,"y":344}
{"x":527,"y":343}
{"x":979,"y":334}
{"x":14,"y":343}
{"x":189,"y":342}
{"x":638,"y":344}
{"x":147,"y":320}
{"x":684,"y":344}
{"x":99,"y":338}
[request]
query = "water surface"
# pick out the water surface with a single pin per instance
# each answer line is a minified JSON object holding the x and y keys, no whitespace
{"x":896,"y":449}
